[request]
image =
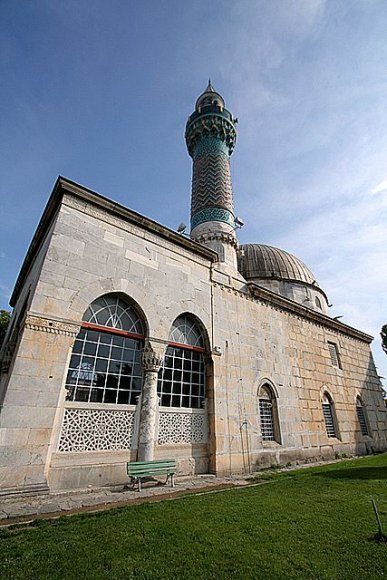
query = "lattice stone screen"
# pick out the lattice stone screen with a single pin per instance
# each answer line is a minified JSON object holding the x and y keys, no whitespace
{"x":180,"y":427}
{"x":96,"y":430}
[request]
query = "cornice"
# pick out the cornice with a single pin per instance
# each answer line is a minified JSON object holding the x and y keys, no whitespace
{"x":53,"y":326}
{"x":258,"y":294}
{"x":223,"y":237}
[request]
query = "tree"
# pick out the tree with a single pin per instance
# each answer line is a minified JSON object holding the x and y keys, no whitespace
{"x":5,"y":317}
{"x":383,"y":334}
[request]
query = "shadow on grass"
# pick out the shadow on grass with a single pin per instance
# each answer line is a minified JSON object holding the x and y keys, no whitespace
{"x":355,"y":473}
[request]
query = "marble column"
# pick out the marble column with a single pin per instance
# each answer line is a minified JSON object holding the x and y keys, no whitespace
{"x":152,"y":359}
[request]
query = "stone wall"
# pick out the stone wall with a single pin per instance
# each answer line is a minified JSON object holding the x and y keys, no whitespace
{"x":91,"y":252}
{"x":252,"y":337}
{"x":262,"y":342}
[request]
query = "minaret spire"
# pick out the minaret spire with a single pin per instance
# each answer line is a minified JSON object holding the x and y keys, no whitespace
{"x":210,"y":137}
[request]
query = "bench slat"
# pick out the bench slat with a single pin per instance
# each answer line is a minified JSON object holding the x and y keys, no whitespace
{"x":171,"y":462}
{"x":138,"y":469}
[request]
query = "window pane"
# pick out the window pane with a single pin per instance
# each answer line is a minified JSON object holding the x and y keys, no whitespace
{"x":88,"y":376}
{"x":182,"y":384}
{"x":110,"y":396}
{"x":112,"y":381}
{"x":90,"y":348}
{"x":92,"y":336}
{"x":128,"y":355}
{"x":105,"y":338}
{"x":166,"y":401}
{"x":81,"y":334}
{"x":101,"y":365}
{"x":78,"y":346}
{"x":75,"y":362}
{"x":116,"y":353}
{"x":118,"y":340}
{"x":123,"y":397}
{"x":176,"y":401}
{"x":96,"y":396}
{"x":82,"y":394}
{"x":100,"y":380}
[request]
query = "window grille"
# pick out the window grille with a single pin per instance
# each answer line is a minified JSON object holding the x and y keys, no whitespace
{"x":105,"y":366}
{"x":328,"y":417}
{"x":334,"y":354}
{"x":361,"y":417}
{"x":181,"y":381}
{"x":267,"y":422}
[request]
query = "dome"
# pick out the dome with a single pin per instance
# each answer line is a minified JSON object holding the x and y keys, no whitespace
{"x":209,"y":97}
{"x":266,"y":262}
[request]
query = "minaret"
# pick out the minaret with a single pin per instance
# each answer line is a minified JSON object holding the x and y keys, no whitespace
{"x":210,"y":136}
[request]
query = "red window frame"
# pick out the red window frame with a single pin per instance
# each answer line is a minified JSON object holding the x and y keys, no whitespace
{"x":110,"y":330}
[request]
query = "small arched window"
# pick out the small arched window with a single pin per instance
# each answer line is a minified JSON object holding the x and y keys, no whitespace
{"x":318,"y":302}
{"x":329,"y":416}
{"x":361,"y":417}
{"x":182,"y":378}
{"x":268,"y":414}
{"x":105,"y":365}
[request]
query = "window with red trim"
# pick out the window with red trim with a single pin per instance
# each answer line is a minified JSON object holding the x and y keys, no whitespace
{"x":105,"y":365}
{"x":181,"y":380}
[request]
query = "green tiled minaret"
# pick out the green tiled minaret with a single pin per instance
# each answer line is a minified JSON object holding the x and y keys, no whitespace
{"x":210,"y":137}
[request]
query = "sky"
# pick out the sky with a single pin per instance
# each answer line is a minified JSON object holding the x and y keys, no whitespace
{"x":100,"y":92}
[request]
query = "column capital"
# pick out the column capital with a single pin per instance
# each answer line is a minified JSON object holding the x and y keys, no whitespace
{"x":152,"y":356}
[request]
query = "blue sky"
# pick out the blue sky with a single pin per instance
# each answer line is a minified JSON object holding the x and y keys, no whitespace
{"x":100,"y":92}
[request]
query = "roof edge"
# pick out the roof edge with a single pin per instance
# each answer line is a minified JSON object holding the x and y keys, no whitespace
{"x":295,"y":308}
{"x":64,"y":185}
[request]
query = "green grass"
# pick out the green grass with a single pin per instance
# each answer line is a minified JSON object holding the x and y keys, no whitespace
{"x":316,"y":523}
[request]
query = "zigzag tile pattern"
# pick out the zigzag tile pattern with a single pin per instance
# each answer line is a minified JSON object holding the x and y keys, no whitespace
{"x":211,"y":183}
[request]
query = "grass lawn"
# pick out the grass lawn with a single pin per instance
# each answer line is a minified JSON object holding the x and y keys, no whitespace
{"x":315,"y":523}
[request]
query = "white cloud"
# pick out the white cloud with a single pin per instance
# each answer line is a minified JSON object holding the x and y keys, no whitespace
{"x":382,"y":186}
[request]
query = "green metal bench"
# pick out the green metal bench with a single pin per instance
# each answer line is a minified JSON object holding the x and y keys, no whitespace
{"x":139,"y":469}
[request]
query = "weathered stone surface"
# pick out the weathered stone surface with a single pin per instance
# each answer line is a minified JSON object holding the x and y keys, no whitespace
{"x":91,"y":251}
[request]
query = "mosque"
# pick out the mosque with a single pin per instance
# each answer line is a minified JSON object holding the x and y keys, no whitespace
{"x":130,"y":341}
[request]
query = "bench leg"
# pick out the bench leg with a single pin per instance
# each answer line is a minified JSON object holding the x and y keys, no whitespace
{"x":139,"y":484}
{"x":170,"y":475}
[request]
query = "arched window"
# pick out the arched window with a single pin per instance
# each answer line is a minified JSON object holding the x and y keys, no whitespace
{"x":268,"y":414}
{"x":329,"y":416}
{"x":105,"y":365}
{"x":182,"y":378}
{"x":361,"y":417}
